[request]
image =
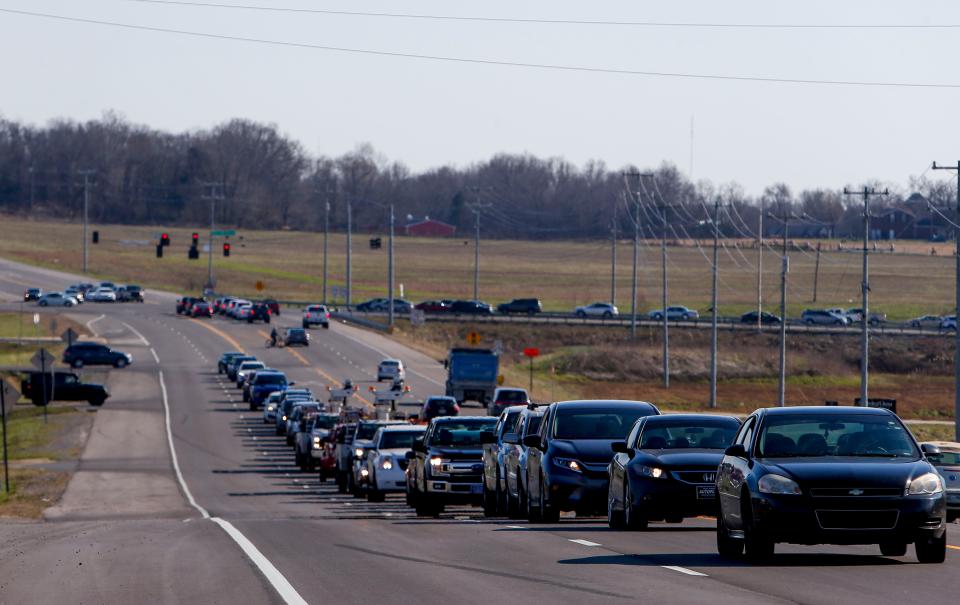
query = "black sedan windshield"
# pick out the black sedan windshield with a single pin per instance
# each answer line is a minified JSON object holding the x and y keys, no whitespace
{"x":581,"y":423}
{"x":856,"y":435}
{"x":704,"y":434}
{"x":465,"y":433}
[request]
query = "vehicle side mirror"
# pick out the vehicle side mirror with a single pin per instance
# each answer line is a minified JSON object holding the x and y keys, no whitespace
{"x":929,"y":449}
{"x":736,"y":450}
{"x":410,"y":455}
{"x":511,"y":438}
{"x":532,"y":441}
{"x":621,"y":447}
{"x":487,"y":437}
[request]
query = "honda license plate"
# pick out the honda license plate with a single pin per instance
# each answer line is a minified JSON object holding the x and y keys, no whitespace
{"x":706,"y":492}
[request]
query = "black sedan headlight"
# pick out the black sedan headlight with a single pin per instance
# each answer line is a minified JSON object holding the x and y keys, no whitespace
{"x":927,"y":484}
{"x":651,"y":472}
{"x":778,"y":485}
{"x":568,"y":463}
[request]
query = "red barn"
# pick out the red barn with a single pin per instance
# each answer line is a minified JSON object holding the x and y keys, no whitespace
{"x":429,"y":227}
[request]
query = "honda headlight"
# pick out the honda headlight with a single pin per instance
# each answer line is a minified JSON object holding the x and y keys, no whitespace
{"x":386,"y":464}
{"x":778,"y":484}
{"x":652,"y":472}
{"x":568,"y":463}
{"x":925,"y":485}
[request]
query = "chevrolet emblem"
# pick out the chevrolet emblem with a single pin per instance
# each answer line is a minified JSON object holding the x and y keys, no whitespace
{"x":856,"y":492}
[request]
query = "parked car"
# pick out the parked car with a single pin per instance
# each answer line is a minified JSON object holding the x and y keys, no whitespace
{"x":829,"y":475}
{"x":823,"y":317}
{"x":528,"y":306}
{"x":201,"y":309}
{"x":433,"y":306}
{"x":568,"y":459}
{"x":446,"y":467}
{"x":927,"y":322}
{"x":57,"y":299}
{"x":436,"y":406}
{"x":130,"y":293}
{"x":505,"y":397}
{"x":32,"y":294}
{"x":470,"y":307}
{"x":386,"y":461}
{"x":391,"y":369}
{"x":947,"y":462}
{"x":316,"y":315}
{"x":372,"y":305}
{"x":856,"y":316}
{"x":102,"y":294}
{"x":310,"y":441}
{"x":666,"y":469}
{"x":296,"y":336}
{"x":597,"y":309}
{"x":494,"y":500}
{"x":82,"y":354}
{"x":750,"y":317}
{"x":676,"y":313}
{"x":515,"y":462}
{"x":60,"y":386}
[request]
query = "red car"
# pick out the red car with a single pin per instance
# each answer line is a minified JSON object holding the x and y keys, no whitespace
{"x":433,"y":306}
{"x":273,"y":305}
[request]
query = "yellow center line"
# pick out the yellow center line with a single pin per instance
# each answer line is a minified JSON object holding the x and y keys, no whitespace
{"x":953,"y":547}
{"x":230,"y":339}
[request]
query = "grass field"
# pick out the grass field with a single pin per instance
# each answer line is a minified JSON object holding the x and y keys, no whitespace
{"x":563,"y":274}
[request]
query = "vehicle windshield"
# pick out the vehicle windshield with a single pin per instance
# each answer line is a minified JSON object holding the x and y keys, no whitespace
{"x":441,"y":406}
{"x":367,"y":430}
{"x":704,"y":434}
{"x":945,"y":459}
{"x":248,"y":365}
{"x":581,"y":423}
{"x":465,"y":433}
{"x":389,"y":363}
{"x":512,"y":397}
{"x":533,"y":424}
{"x":324,"y":421}
{"x":315,"y":309}
{"x":399,"y":439}
{"x":851,"y":435}
{"x":271,"y":379}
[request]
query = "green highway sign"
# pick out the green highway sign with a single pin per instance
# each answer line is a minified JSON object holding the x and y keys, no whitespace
{"x":225,"y":233}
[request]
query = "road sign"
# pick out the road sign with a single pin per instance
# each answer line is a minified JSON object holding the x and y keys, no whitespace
{"x":42,"y":360}
{"x":224,"y":233}
{"x":531,"y":352}
{"x":417,"y":317}
{"x":69,"y":336}
{"x":259,"y":286}
{"x":473,"y":338}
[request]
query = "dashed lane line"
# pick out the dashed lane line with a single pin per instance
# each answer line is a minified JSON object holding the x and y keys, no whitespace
{"x":584,"y":542}
{"x":145,"y":342}
{"x":684,"y":570}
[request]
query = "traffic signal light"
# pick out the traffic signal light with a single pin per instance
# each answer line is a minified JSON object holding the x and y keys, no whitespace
{"x":96,"y":237}
{"x":226,"y":249}
{"x":165,"y":239}
{"x":196,"y":238}
{"x":159,"y":250}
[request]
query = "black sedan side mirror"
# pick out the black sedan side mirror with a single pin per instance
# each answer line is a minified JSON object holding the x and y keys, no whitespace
{"x":621,"y":447}
{"x":410,"y":455}
{"x":736,"y":450}
{"x":487,"y":437}
{"x":929,"y":449}
{"x":532,"y":441}
{"x":511,"y":438}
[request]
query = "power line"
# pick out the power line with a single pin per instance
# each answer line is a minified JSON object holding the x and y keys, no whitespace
{"x":483,"y":19}
{"x":490,"y":62}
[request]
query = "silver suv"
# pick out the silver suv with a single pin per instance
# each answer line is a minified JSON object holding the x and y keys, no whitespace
{"x":316,"y":315}
{"x":823,"y":318}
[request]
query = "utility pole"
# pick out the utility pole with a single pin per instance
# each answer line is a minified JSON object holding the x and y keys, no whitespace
{"x":476,"y":207}
{"x":86,"y":174}
{"x":956,"y":310}
{"x":326,"y":233}
{"x":760,"y":272}
{"x":816,"y":273}
{"x":713,"y":309}
{"x":866,"y":192}
{"x":215,"y":193}
{"x":390,"y":312}
{"x":636,"y":248}
{"x":349,"y":249}
{"x":784,"y":219}
{"x":613,"y":257}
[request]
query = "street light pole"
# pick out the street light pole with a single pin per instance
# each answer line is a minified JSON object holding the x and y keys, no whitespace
{"x":713,"y":310}
{"x":349,"y":249}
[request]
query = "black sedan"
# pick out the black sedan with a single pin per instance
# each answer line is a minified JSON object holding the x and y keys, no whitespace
{"x":296,"y":336}
{"x":94,"y":354}
{"x":767,"y":319}
{"x":829,"y":475}
{"x":666,"y":469}
{"x":567,"y":459}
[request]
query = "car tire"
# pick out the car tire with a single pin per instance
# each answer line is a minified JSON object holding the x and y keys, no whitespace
{"x":120,"y":363}
{"x":726,"y":546}
{"x":373,"y":494}
{"x":42,"y":303}
{"x":607,"y":314}
{"x":246,"y":397}
{"x":533,"y":514}
{"x":932,"y":550}
{"x":951,"y":516}
{"x":549,"y":513}
{"x":77,"y":364}
{"x":581,"y":315}
{"x":489,"y":502}
{"x":633,"y":517}
{"x":893,"y":549}
{"x":341,"y":482}
{"x":278,"y":431}
{"x":289,"y":440}
{"x":97,"y":402}
{"x":756,"y":546}
{"x":614,"y":517}
{"x":253,"y":407}
{"x":326,"y":326}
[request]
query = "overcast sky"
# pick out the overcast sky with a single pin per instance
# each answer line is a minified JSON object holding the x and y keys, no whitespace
{"x":426,"y":113}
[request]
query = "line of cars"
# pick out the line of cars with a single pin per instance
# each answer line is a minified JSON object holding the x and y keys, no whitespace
{"x":228,"y":306}
{"x":77,"y":294}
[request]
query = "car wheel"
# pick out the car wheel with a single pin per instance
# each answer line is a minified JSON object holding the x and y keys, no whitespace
{"x":757,"y":546}
{"x":607,"y":314}
{"x":533,"y":513}
{"x":326,"y":326}
{"x":289,"y":440}
{"x":375,"y":495}
{"x":633,"y":517}
{"x":581,"y":315}
{"x":951,"y":517}
{"x":278,"y":431}
{"x":120,"y":363}
{"x":42,"y":303}
{"x":253,"y":407}
{"x":423,"y":506}
{"x":97,"y":402}
{"x":323,"y":475}
{"x":246,"y":397}
{"x":614,"y":516}
{"x":893,"y":549}
{"x":548,"y":512}
{"x":77,"y":363}
{"x":489,"y":502}
{"x":341,"y":482}
{"x":727,"y":546}
{"x":932,"y":550}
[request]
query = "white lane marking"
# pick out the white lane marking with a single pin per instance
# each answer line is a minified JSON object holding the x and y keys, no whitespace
{"x":375,"y":349}
{"x":90,"y":323}
{"x":154,"y":353}
{"x":145,"y":342}
{"x":684,"y":570}
{"x":584,"y":542}
{"x":286,"y":590}
{"x":515,"y":527}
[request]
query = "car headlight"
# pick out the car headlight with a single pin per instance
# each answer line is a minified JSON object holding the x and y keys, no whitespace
{"x":271,"y":407}
{"x":386,"y":464}
{"x":284,"y":417}
{"x":568,"y":463}
{"x":358,"y":452}
{"x":364,"y":472}
{"x":926,"y":484}
{"x":653,"y":472}
{"x":316,"y":441}
{"x":436,"y":461}
{"x":778,"y":484}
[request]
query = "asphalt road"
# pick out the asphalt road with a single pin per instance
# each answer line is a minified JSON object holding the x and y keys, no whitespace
{"x":229,"y":519}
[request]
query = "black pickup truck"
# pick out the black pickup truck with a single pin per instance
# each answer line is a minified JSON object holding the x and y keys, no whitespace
{"x":447,"y":466}
{"x":61,"y":386}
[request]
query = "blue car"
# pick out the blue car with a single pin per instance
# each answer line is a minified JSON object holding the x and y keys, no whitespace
{"x":265,"y":383}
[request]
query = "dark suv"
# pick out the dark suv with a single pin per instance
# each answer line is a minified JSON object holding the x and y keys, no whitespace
{"x":447,"y":466}
{"x":259,"y":311}
{"x":296,"y":336}
{"x":567,"y":459}
{"x":95,"y":354}
{"x":530,"y":306}
{"x":185,"y":304}
{"x":470,"y":307}
{"x":64,"y":386}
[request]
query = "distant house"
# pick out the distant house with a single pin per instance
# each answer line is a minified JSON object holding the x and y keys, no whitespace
{"x":428,"y":227}
{"x":912,"y":219}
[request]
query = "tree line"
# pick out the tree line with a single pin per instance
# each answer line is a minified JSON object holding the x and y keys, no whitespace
{"x":264,"y":179}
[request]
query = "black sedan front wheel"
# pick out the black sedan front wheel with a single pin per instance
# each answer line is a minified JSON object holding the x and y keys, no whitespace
{"x":727,"y":546}
{"x":932,"y":550}
{"x":633,"y":517}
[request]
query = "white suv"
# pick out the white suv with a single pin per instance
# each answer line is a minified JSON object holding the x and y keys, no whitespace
{"x":391,"y":369}
{"x":386,"y":462}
